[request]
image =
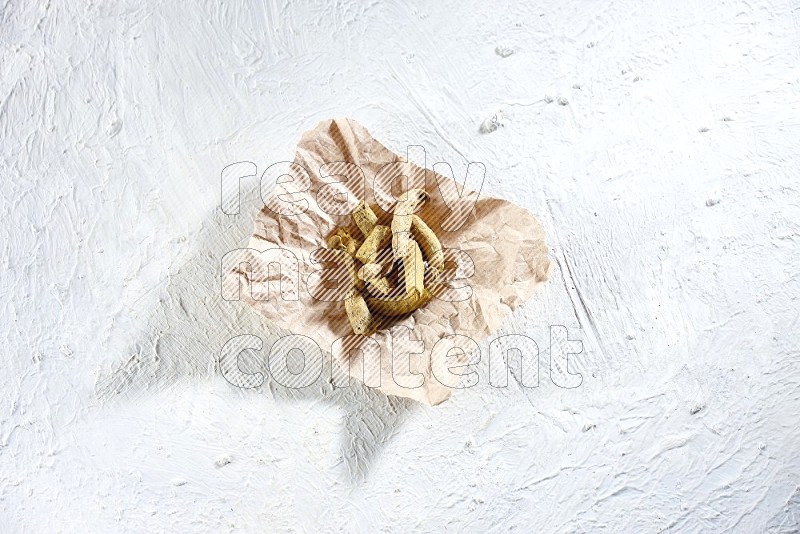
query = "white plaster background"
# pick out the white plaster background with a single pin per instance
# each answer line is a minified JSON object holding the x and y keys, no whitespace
{"x":667,"y":182}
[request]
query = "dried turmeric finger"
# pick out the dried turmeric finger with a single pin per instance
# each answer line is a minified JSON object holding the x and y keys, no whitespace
{"x":410,"y":202}
{"x":336,"y":242}
{"x":358,"y":312}
{"x":413,"y":269}
{"x":400,"y":241}
{"x":364,"y":218}
{"x":373,"y":274}
{"x":369,"y":271}
{"x":352,"y":270}
{"x":342,"y":239}
{"x":401,"y":221}
{"x":431,"y":247}
{"x":380,"y":285}
{"x":412,"y":242}
{"x":386,"y":260}
{"x":377,"y":239}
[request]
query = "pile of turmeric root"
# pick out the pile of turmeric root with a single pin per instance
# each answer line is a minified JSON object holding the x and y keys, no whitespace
{"x":390,"y":268}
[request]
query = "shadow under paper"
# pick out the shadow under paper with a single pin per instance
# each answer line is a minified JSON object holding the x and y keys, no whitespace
{"x":185,"y":335}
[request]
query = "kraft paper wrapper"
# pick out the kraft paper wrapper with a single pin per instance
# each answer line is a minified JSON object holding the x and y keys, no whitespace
{"x":505,"y":242}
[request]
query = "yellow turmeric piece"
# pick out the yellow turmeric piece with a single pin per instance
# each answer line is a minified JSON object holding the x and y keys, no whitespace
{"x":380,"y":290}
{"x":377,"y":239}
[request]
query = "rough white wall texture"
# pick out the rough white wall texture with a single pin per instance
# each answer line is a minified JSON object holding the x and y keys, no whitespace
{"x":658,"y":140}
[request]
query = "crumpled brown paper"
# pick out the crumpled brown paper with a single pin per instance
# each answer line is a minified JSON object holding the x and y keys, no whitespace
{"x":341,"y":164}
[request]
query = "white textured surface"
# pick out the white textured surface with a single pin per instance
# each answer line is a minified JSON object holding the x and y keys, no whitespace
{"x":658,"y":141}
